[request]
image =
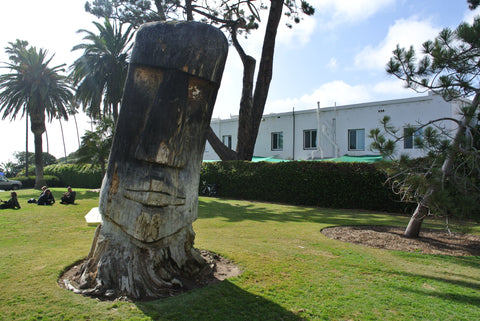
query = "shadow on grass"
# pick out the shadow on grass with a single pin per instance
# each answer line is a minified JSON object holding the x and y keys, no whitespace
{"x":222,"y":301}
{"x":466,"y":261}
{"x":471,"y":298}
{"x":263,"y":212}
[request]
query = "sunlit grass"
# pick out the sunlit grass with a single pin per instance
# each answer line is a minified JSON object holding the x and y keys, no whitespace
{"x":291,"y":271}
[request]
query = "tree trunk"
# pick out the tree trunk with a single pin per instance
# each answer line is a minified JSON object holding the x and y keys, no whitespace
{"x":76,"y":126}
{"x":37,"y":125}
{"x":421,"y":211}
{"x":26,"y":145}
{"x":160,"y":11}
{"x":415,"y":224}
{"x":252,"y":106}
{"x":115,"y":112}
{"x":63,"y":140}
{"x":222,"y":151}
{"x":149,"y":196}
{"x":247,"y":140}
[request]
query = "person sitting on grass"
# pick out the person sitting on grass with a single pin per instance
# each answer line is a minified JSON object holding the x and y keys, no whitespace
{"x":11,"y":203}
{"x":69,"y":196}
{"x":46,"y":198}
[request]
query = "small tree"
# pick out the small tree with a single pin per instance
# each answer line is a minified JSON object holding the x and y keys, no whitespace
{"x":95,"y":146}
{"x":450,"y":174}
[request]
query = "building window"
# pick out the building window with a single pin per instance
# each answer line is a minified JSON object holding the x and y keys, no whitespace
{"x":277,"y":141}
{"x":310,"y":139}
{"x":356,"y":139}
{"x":412,"y":137}
{"x":227,"y":140}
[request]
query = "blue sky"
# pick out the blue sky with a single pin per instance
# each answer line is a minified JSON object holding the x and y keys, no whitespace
{"x":338,"y":56}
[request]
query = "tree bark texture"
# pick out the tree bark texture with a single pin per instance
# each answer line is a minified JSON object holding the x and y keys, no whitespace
{"x":262,"y":86}
{"x":149,"y":196}
{"x":252,"y":103}
{"x":37,"y":126}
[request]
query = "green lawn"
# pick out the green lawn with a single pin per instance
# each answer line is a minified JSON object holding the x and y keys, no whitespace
{"x":291,"y":271}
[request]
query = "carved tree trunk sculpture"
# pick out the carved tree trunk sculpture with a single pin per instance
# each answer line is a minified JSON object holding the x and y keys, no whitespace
{"x":149,"y":195}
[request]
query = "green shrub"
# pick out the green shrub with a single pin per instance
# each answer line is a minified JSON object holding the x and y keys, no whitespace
{"x":323,"y":184}
{"x":29,"y":182}
{"x":84,"y":175}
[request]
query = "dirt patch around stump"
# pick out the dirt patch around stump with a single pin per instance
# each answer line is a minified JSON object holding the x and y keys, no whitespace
{"x":391,"y":238}
{"x":219,"y":269}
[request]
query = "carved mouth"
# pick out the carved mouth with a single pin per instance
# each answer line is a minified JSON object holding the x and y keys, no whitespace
{"x":155,"y":198}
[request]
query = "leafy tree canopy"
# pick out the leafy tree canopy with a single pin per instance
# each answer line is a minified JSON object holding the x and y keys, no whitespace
{"x":243,"y":15}
{"x":48,"y":159}
{"x":473,"y":4}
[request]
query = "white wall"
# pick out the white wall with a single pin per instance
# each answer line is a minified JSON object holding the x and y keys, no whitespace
{"x":332,"y":125}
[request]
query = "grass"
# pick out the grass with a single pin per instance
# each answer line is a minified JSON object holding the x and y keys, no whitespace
{"x":291,"y":271}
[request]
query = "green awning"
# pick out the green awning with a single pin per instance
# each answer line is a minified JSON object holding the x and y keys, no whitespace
{"x":354,"y":159}
{"x":345,"y":159}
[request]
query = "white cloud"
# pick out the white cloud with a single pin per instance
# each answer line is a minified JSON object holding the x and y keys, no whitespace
{"x":336,"y":12}
{"x":332,"y":64}
{"x":329,"y":94}
{"x":330,"y":13}
{"x":300,"y":33}
{"x":392,"y":88}
{"x":405,"y":32}
{"x":470,"y":14}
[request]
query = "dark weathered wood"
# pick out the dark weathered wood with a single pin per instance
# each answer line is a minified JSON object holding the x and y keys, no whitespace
{"x":149,"y":195}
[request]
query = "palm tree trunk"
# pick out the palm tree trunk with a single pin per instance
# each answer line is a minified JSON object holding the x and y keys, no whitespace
{"x":39,"y":180}
{"x":46,"y":137}
{"x":63,"y":140}
{"x":37,"y":125}
{"x":76,"y":126}
{"x":115,"y":112}
{"x":26,"y":146}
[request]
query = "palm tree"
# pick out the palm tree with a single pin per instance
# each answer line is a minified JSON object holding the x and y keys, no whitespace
{"x":63,"y":139}
{"x":72,"y":111}
{"x":96,"y":145}
{"x":99,"y":74}
{"x":33,"y":89}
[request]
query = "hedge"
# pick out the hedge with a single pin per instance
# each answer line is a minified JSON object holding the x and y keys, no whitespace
{"x":85,"y":175}
{"x":29,"y":182}
{"x":323,"y":184}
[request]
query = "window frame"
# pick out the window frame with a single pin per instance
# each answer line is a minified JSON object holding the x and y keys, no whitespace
{"x":276,"y":141}
{"x":311,"y":139}
{"x":357,"y":141}
{"x":229,"y":140}
{"x":410,"y":139}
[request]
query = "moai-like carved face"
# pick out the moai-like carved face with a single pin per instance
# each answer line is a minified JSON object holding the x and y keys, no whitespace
{"x":151,"y":188}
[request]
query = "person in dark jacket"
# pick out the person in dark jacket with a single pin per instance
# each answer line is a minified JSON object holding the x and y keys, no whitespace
{"x":11,"y":203}
{"x":69,"y":196}
{"x":46,"y":198}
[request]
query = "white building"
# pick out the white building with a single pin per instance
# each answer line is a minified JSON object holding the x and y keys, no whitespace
{"x":331,"y":132}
